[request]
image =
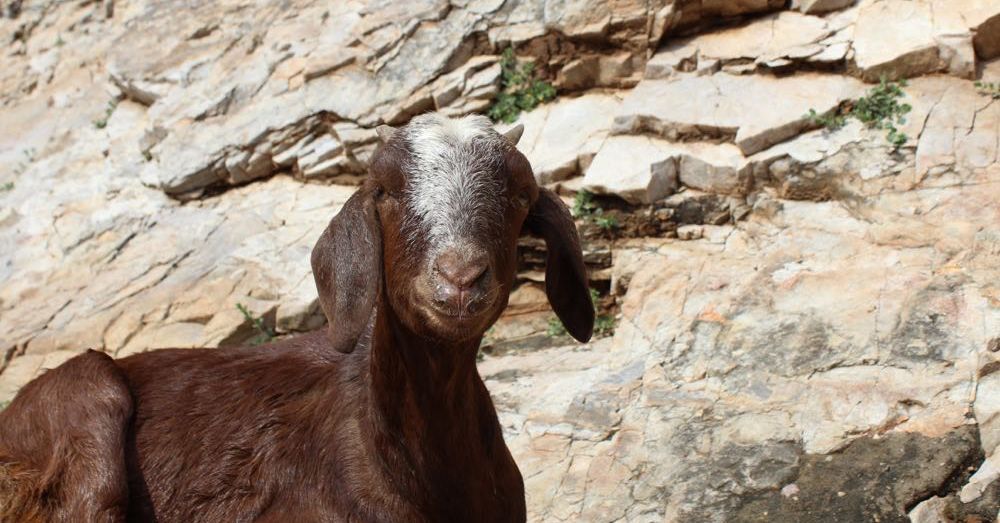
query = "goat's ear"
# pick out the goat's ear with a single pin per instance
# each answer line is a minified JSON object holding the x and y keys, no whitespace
{"x":565,"y":275}
{"x":347,"y":267}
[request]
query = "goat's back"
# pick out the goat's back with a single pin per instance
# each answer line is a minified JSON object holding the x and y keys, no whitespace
{"x":233,"y":434}
{"x":62,"y":444}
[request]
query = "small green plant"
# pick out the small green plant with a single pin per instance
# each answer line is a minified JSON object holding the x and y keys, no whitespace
{"x":583,"y":204}
{"x":989,"y":89}
{"x":880,"y":108}
{"x":832,"y":120}
{"x":108,"y":111}
{"x":520,"y":89}
{"x":9,"y":186}
{"x":264,"y":334}
{"x":604,"y":324}
{"x":59,"y":41}
{"x":3,"y":404}
{"x":584,"y":207}
{"x":606,"y":222}
{"x":29,"y":157}
{"x":556,"y":328}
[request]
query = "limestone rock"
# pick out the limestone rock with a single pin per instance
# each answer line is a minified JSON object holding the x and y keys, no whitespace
{"x":729,"y":107}
{"x":910,"y":51}
{"x":643,"y":170}
{"x":561,"y":138}
{"x":820,"y":6}
{"x":930,"y":35}
{"x":784,"y":35}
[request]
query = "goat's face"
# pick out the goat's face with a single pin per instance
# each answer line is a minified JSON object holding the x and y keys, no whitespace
{"x":452,"y":196}
{"x":434,"y":230}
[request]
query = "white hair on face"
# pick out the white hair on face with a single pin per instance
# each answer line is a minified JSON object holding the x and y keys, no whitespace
{"x":451,"y":182}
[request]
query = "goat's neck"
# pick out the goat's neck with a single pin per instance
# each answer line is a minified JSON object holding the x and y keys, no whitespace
{"x":429,"y":405}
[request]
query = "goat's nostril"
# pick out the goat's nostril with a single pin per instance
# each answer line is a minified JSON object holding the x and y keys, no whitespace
{"x":462,"y":274}
{"x":463,"y":277}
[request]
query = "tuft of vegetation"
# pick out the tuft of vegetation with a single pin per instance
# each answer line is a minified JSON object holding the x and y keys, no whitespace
{"x":3,"y":404}
{"x":264,"y":334}
{"x":585,"y":208}
{"x":9,"y":186}
{"x":59,"y":41}
{"x":880,"y":108}
{"x":108,"y":111}
{"x":606,"y":222}
{"x":604,"y":324}
{"x":989,"y":89}
{"x":583,"y":204}
{"x":520,"y":89}
{"x":832,"y":120}
{"x":22,"y":165}
{"x":556,"y":328}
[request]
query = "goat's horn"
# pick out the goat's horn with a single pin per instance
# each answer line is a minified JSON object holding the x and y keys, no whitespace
{"x":385,"y":132}
{"x":513,"y":135}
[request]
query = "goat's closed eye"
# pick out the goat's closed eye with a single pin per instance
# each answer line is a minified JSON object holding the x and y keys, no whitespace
{"x":381,"y":193}
{"x":522,"y":200}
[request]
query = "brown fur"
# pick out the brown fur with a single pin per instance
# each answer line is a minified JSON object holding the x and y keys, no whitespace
{"x":383,"y":418}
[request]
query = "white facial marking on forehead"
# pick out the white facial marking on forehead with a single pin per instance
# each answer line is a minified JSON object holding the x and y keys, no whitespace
{"x":452,"y":189}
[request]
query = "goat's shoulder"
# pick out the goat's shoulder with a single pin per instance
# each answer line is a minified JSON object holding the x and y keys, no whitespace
{"x":63,"y":436}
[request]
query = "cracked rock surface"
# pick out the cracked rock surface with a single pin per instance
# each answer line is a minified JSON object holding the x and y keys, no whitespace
{"x":807,"y":320}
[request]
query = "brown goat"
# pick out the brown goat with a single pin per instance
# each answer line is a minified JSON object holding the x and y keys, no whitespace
{"x":383,"y":417}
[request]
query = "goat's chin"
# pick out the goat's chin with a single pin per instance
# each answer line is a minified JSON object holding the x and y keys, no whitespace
{"x":453,"y":326}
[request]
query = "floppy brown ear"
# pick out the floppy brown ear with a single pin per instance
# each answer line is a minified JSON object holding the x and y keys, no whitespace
{"x":347,"y":267}
{"x":565,"y":275}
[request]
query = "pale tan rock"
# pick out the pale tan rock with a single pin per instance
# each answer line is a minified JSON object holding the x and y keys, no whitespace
{"x":957,"y":126}
{"x":636,"y":168}
{"x":769,"y":38}
{"x":729,"y":107}
{"x":910,"y":50}
{"x":820,"y":6}
{"x":932,"y":510}
{"x":561,"y":138}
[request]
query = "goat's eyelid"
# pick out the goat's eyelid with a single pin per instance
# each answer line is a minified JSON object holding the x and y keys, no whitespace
{"x":522,"y":200}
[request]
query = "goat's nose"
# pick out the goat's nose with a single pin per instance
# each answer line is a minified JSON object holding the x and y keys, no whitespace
{"x":461,"y":271}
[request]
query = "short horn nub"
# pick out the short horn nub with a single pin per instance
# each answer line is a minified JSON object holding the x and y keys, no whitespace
{"x":513,"y":135}
{"x":385,"y":132}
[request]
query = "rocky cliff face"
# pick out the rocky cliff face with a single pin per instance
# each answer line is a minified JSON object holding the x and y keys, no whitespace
{"x":807,"y":318}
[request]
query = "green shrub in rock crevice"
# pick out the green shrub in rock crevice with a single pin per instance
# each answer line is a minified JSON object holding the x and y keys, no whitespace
{"x":989,"y":89}
{"x":604,"y":324}
{"x":520,"y":89}
{"x":880,"y":108}
{"x":264,"y":334}
{"x":586,"y":209}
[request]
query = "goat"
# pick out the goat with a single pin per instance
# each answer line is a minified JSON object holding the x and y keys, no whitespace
{"x":380,"y":417}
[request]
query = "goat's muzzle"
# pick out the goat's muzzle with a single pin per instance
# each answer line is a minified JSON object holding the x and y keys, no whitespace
{"x":461,"y":280}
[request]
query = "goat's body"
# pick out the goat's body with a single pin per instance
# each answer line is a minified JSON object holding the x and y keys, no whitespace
{"x":269,"y":433}
{"x":382,"y":418}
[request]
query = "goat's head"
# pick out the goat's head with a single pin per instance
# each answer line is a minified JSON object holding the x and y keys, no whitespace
{"x":434,"y":230}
